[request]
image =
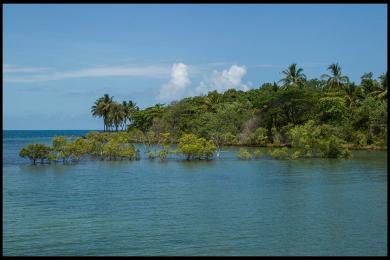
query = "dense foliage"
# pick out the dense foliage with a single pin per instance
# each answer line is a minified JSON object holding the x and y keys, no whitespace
{"x":264,"y":116}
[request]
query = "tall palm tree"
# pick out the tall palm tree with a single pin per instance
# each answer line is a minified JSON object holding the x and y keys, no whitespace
{"x":293,"y":76}
{"x":97,"y":112}
{"x":129,"y":108}
{"x":116,"y":115}
{"x":335,"y":80}
{"x":126,"y":112}
{"x":101,"y":108}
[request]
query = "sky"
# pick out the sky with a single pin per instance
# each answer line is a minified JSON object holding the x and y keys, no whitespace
{"x":58,"y":59}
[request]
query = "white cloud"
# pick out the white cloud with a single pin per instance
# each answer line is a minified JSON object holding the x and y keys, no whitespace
{"x":146,"y":71}
{"x":175,"y":88}
{"x":222,"y":81}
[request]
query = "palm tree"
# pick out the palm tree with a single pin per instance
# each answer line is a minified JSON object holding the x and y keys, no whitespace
{"x":126,"y":112}
{"x":293,"y":76}
{"x":116,"y":115}
{"x":101,"y":108}
{"x":211,"y":100}
{"x":335,"y":80}
{"x":97,"y":112}
{"x":129,"y":108}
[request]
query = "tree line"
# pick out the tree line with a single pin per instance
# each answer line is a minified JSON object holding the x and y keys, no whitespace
{"x":264,"y":116}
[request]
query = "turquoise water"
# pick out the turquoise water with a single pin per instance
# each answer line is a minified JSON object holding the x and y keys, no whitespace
{"x":222,"y":207}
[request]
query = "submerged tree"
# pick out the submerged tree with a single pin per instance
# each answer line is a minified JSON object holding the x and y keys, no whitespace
{"x":194,"y":147}
{"x":36,"y":152}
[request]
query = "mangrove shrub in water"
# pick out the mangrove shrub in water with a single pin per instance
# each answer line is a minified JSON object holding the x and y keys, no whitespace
{"x":280,"y":153}
{"x":36,"y":152}
{"x":310,"y":140}
{"x":244,"y":154}
{"x":104,"y":146}
{"x":194,"y":147}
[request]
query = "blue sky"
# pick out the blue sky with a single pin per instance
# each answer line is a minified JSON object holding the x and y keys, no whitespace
{"x":58,"y":59}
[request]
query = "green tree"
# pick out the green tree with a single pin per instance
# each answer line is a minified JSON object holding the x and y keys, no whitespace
{"x":101,"y":108}
{"x":293,"y":76}
{"x":35,"y":152}
{"x":244,"y":154}
{"x":279,"y":153}
{"x":194,"y":147}
{"x":335,"y":80}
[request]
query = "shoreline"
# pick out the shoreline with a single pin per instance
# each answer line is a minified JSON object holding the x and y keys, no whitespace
{"x":349,"y":146}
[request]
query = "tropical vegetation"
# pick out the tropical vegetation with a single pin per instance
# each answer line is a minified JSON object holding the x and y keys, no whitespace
{"x":322,"y":117}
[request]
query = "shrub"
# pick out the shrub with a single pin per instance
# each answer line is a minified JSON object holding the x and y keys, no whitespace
{"x":259,"y":137}
{"x":163,"y":154}
{"x":230,"y":139}
{"x":36,"y":152}
{"x":194,"y":147}
{"x":336,"y":149}
{"x":317,"y":141}
{"x":276,"y":137}
{"x":280,"y":153}
{"x":257,"y":153}
{"x":244,"y":154}
{"x":151,"y":155}
{"x":296,"y":155}
{"x":359,"y":139}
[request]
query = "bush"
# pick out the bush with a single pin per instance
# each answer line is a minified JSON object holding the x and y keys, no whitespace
{"x":257,"y":153}
{"x":194,"y":147}
{"x":359,"y":139}
{"x":111,"y":146}
{"x":336,"y":149}
{"x":259,"y":137}
{"x":276,"y":137}
{"x":296,"y":155}
{"x":36,"y":152}
{"x":244,"y":154}
{"x":317,"y":141}
{"x":280,"y":153}
{"x":151,"y":155}
{"x":230,"y":139}
{"x":163,"y":154}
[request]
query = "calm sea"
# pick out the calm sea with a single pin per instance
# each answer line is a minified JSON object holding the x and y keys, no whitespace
{"x":221,"y":207}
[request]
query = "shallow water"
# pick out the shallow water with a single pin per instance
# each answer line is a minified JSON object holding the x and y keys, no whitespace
{"x":221,"y":207}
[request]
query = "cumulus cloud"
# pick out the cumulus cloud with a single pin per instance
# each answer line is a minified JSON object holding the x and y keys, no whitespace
{"x":222,"y":81}
{"x":176,"y":86}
